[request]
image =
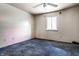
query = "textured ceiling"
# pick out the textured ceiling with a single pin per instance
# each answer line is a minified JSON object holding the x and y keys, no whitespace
{"x":28,"y":7}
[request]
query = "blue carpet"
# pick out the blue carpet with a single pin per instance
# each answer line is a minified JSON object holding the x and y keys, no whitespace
{"x":37,"y":47}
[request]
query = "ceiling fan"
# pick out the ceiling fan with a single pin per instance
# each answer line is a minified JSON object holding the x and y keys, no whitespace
{"x":45,"y":5}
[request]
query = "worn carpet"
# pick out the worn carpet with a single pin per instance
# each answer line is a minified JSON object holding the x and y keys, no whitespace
{"x":38,"y":47}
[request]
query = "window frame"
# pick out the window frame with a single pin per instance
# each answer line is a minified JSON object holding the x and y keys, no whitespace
{"x":51,"y":24}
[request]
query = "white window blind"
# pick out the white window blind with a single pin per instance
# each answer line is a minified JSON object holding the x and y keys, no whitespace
{"x":51,"y":23}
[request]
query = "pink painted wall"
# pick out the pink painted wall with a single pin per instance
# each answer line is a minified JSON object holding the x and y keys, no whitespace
{"x":15,"y":25}
{"x":17,"y":34}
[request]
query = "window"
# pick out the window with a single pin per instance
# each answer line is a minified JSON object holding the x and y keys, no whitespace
{"x":51,"y":23}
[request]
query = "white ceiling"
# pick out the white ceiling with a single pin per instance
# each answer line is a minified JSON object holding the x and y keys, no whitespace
{"x":28,"y":7}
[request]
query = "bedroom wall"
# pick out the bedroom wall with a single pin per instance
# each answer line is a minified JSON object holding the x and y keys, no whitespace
{"x":15,"y":25}
{"x":68,"y":26}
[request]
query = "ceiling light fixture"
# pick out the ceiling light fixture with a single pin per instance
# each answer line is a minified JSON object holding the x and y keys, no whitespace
{"x":45,"y":5}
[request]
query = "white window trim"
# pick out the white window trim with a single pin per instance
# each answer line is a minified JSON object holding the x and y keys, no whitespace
{"x":51,"y":24}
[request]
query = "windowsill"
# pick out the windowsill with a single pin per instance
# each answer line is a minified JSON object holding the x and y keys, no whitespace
{"x":52,"y":30}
